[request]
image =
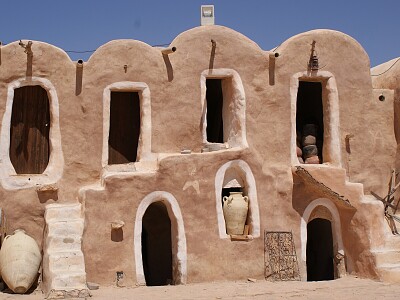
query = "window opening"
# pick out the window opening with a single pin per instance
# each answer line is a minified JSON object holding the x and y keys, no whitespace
{"x":157,"y":245}
{"x":124,"y":131}
{"x":215,"y":99}
{"x":310,"y":122}
{"x":29,"y":130}
{"x":319,"y":251}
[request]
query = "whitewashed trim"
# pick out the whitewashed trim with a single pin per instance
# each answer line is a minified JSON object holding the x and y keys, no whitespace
{"x":331,"y":148}
{"x":336,"y":225}
{"x":243,"y":170}
{"x":9,"y":178}
{"x":178,"y":238}
{"x":144,"y":145}
{"x":234,"y":108}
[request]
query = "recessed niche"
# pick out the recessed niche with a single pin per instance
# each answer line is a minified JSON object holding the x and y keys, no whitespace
{"x":215,"y":102}
{"x":124,"y":130}
{"x":310,"y":121}
{"x":224,"y":110}
{"x":236,"y":177}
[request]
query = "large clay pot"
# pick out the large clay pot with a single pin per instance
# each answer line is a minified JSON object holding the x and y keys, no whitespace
{"x":235,"y":212}
{"x":19,"y":261}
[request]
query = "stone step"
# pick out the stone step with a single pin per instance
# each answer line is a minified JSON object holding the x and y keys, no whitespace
{"x":62,"y":262}
{"x":70,"y":280}
{"x":393,"y":241}
{"x":65,"y":228}
{"x":71,"y":242}
{"x":387,"y":257}
{"x":390,"y":272}
{"x":60,"y":212}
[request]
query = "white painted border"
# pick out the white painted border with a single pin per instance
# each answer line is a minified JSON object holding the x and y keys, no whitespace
{"x":243,"y":169}
{"x":9,"y":178}
{"x":179,"y":252}
{"x":144,"y":146}
{"x":234,"y":114}
{"x":331,"y":149}
{"x":336,"y":228}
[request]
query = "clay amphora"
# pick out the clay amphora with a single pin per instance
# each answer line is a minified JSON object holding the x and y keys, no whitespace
{"x":235,"y":209}
{"x":19,"y":261}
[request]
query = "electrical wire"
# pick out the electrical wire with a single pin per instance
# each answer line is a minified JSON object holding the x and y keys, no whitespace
{"x":89,"y":51}
{"x":387,"y":69}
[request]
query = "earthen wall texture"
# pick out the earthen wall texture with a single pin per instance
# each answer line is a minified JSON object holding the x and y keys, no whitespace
{"x":176,"y":111}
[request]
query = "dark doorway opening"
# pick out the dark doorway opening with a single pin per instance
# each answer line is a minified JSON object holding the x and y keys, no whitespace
{"x":215,"y":100}
{"x":123,"y":139}
{"x":319,"y":250}
{"x":310,"y":111}
{"x":157,"y":245}
{"x":29,"y":130}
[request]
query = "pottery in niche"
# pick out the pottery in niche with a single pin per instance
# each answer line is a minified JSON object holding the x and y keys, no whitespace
{"x":235,"y":209}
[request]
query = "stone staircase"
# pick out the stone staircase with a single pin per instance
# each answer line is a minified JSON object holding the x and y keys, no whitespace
{"x":64,"y":273}
{"x":387,"y":257}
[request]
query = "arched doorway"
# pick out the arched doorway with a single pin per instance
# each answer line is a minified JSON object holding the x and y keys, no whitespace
{"x":157,"y":245}
{"x":319,"y":250}
{"x":177,"y":235}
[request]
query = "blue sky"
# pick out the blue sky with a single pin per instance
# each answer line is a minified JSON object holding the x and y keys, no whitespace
{"x":87,"y":24}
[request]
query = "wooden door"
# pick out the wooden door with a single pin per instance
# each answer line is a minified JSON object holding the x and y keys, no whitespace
{"x":29,"y":130}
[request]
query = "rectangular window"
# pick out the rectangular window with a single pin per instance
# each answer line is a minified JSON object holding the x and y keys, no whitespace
{"x":215,"y":99}
{"x":310,"y":121}
{"x":124,"y":131}
{"x":29,"y":130}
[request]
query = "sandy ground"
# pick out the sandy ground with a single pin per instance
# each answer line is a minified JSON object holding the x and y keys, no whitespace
{"x":344,"y":288}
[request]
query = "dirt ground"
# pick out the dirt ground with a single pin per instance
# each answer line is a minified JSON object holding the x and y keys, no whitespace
{"x":344,"y":288}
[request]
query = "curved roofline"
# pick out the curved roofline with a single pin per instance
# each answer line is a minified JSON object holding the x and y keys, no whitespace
{"x":211,"y":27}
{"x":318,"y":31}
{"x":118,"y":41}
{"x":39,"y":42}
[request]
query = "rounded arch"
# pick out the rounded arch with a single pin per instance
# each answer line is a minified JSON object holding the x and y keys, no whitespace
{"x":179,"y":253}
{"x":54,"y":169}
{"x":336,"y":225}
{"x":243,"y":170}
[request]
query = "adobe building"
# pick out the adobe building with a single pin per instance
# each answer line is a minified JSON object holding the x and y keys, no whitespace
{"x":118,"y":166}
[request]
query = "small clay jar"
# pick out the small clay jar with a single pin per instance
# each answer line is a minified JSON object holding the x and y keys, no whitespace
{"x":308,"y":140}
{"x":310,"y":150}
{"x":312,"y":160}
{"x":310,"y":129}
{"x":299,"y":152}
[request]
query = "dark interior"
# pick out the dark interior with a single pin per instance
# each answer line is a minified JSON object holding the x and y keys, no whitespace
{"x":123,"y":139}
{"x":319,"y":250}
{"x":157,"y":245}
{"x":310,"y":110}
{"x":29,"y":130}
{"x":215,"y":99}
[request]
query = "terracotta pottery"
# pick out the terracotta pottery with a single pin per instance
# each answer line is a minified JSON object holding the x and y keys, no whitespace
{"x":299,"y":152}
{"x":235,"y":212}
{"x":310,"y":129}
{"x":312,"y":160}
{"x":309,"y":140}
{"x":20,"y":259}
{"x":309,"y":151}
